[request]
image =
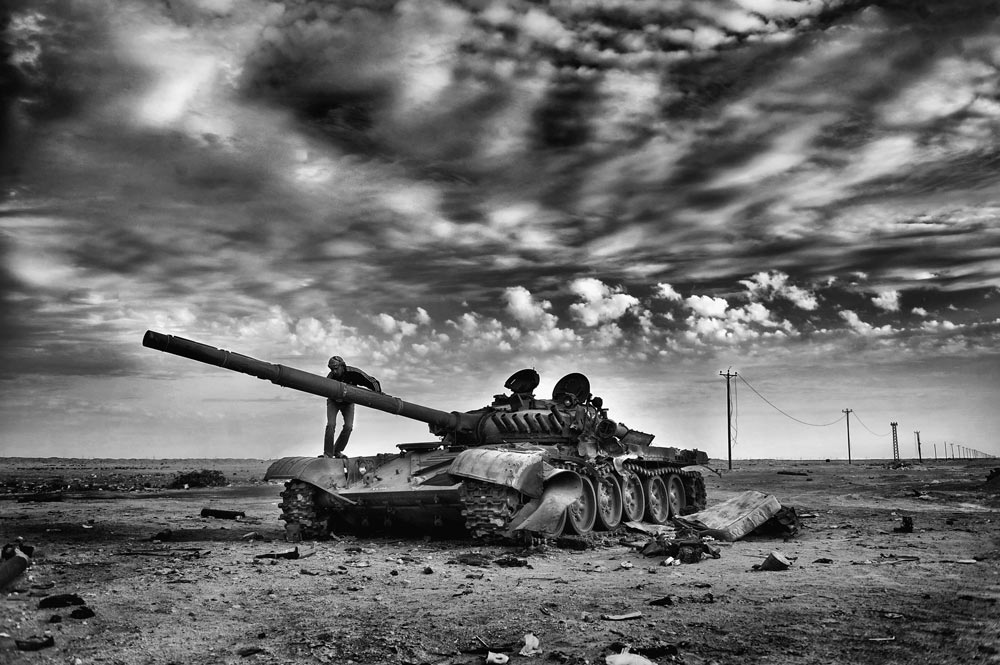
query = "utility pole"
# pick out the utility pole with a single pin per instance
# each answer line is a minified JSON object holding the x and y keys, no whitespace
{"x":729,"y":417}
{"x":895,"y":443}
{"x":920,"y":455}
{"x":848,"y":413}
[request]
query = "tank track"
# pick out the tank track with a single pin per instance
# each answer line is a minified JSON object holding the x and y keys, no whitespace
{"x":694,"y":488}
{"x":303,"y":518}
{"x":488,"y":509}
{"x":694,"y":483}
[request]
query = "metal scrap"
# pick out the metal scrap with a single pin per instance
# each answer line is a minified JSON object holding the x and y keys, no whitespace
{"x":294,"y":554}
{"x":16,"y":559}
{"x":622,"y":617}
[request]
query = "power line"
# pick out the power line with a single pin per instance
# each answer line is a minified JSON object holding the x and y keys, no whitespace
{"x":866,"y":426}
{"x":743,"y":379}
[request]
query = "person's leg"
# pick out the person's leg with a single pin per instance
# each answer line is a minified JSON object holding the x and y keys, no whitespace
{"x":331,"y":427}
{"x":347,"y":411}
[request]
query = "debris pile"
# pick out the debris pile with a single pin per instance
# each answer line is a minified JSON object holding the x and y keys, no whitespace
{"x":203,"y":478}
{"x":734,"y":518}
{"x":993,"y":480}
{"x":698,"y":535}
{"x":774,"y":561}
{"x":222,"y":514}
{"x":783,"y":524}
{"x":684,"y":547}
{"x":14,"y":560}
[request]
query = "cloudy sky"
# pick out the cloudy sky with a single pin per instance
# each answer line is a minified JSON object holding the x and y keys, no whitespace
{"x":650,"y":192}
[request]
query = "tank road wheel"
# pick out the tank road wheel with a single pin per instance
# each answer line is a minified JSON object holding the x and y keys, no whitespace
{"x":657,"y":500}
{"x":633,"y":501}
{"x":609,"y":502}
{"x":582,"y":513}
{"x":676,"y":497}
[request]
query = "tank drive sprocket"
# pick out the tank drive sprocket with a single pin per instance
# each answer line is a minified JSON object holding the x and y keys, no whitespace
{"x":489,"y":508}
{"x":300,"y":512}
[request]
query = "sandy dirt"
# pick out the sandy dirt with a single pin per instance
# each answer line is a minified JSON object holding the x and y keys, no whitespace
{"x":857,"y":591}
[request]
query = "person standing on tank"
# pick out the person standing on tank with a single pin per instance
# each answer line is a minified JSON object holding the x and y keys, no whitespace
{"x":341,"y":371}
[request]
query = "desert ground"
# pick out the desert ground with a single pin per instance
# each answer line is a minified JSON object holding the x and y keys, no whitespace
{"x":165,"y":585}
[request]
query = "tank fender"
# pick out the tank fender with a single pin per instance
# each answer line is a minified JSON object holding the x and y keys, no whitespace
{"x":523,"y":470}
{"x":325,"y":473}
{"x":546,"y":514}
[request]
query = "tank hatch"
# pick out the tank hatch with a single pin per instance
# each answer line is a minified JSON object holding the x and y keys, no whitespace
{"x":522,"y":382}
{"x":573,"y":386}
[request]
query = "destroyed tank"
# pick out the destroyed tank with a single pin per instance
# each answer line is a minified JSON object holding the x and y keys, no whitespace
{"x":520,"y":466}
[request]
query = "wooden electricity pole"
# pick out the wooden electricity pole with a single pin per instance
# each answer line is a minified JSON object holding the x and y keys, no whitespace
{"x":729,"y":417}
{"x":848,"y":413}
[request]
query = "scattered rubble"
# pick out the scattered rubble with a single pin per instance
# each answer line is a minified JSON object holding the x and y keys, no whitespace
{"x":203,"y":478}
{"x":993,"y":480}
{"x":906,"y":527}
{"x":783,"y":524}
{"x":473,"y":559}
{"x":14,"y":560}
{"x":531,"y":646}
{"x":628,"y":616}
{"x":292,"y":554}
{"x":670,"y":600}
{"x":570,"y":627}
{"x":734,"y":518}
{"x":60,"y":600}
{"x":774,"y":561}
{"x":35,"y":643}
{"x":685,"y":547}
{"x":223,"y":514}
{"x":82,"y":613}
{"x":627,"y":658}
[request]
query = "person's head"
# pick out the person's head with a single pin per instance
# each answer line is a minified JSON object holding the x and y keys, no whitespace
{"x":337,"y":365}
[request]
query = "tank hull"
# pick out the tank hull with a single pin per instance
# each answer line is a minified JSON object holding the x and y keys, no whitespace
{"x":484,"y":493}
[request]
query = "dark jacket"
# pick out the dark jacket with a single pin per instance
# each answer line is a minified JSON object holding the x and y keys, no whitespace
{"x":356,"y":377}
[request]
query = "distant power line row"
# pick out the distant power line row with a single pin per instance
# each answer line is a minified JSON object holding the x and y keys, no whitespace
{"x":732,"y":400}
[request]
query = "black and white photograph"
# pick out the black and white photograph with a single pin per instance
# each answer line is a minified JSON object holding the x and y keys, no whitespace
{"x":452,"y":332}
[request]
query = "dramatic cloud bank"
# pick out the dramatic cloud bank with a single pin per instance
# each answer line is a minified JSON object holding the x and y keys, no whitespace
{"x":444,"y":192}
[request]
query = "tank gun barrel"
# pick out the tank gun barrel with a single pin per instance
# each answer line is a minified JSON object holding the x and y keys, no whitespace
{"x":296,"y":379}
